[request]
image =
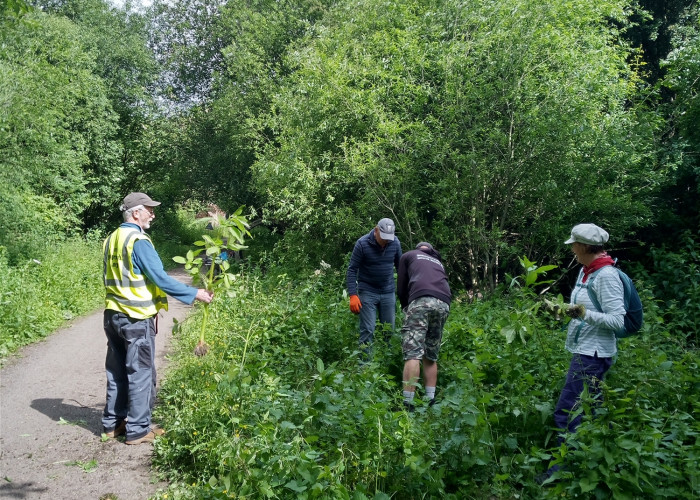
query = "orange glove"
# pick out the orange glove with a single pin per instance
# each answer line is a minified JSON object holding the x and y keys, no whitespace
{"x":355,"y":304}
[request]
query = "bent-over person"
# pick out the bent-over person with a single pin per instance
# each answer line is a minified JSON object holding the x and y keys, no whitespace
{"x":425,"y":297}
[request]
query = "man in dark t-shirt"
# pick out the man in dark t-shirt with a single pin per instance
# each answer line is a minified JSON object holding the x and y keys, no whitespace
{"x":425,"y":299}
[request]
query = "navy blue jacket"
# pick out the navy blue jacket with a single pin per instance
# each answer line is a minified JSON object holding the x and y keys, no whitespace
{"x":421,"y":274}
{"x":372,"y":267}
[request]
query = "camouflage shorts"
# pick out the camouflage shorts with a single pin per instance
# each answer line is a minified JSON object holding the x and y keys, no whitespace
{"x":422,"y":328}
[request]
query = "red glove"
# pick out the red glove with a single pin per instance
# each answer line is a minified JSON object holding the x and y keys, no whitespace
{"x":355,"y":304}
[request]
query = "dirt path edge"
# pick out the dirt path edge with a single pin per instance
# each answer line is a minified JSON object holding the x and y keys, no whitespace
{"x":51,"y":398}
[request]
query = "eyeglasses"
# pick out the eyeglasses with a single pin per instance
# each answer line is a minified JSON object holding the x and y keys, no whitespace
{"x":148,"y":209}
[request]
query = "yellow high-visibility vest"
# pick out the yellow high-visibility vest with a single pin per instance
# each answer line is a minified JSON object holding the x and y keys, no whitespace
{"x":127,"y":291}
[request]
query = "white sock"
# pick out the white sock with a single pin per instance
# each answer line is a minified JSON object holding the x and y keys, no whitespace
{"x":408,"y":396}
{"x":430,"y":393}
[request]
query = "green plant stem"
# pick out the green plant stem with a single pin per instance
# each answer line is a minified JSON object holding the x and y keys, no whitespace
{"x":493,"y":447}
{"x":376,"y":471}
{"x":209,"y":284}
{"x":245,"y":345}
{"x":210,"y":274}
{"x":536,"y":332}
{"x":205,"y":317}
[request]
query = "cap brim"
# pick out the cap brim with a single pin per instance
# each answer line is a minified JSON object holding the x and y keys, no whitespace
{"x":151,"y":203}
{"x":569,"y":241}
{"x":386,"y":236}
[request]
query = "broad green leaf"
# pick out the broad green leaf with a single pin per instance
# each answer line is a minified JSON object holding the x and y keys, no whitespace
{"x":293,"y":485}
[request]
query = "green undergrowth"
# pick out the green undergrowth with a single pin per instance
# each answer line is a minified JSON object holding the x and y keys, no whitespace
{"x":281,"y":407}
{"x":56,"y":285}
{"x":41,"y":294}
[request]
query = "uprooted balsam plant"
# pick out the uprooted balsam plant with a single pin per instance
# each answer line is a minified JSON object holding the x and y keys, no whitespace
{"x":227,"y":234}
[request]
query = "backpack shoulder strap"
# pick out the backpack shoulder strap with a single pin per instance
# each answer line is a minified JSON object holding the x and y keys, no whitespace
{"x":589,"y":287}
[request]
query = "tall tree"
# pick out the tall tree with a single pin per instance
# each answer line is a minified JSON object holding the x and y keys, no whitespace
{"x":652,"y":31}
{"x":488,"y":126}
{"x":128,"y":70}
{"x":224,"y":63}
{"x":187,"y":38}
{"x":679,"y":201}
{"x":56,"y":124}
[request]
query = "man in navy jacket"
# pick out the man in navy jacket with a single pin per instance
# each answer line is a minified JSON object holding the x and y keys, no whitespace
{"x":425,"y":299}
{"x":370,"y":279}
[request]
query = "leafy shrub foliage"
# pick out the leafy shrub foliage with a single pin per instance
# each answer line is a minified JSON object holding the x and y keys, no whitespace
{"x":58,"y":141}
{"x":488,"y":128}
{"x":39,"y":295}
{"x":676,"y":277}
{"x":281,"y":406}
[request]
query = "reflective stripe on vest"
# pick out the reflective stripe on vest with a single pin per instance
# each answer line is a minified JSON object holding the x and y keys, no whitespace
{"x":127,"y":291}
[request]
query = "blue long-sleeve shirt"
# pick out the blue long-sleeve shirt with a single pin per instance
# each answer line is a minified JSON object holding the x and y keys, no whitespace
{"x":147,"y":262}
{"x":372,"y":267}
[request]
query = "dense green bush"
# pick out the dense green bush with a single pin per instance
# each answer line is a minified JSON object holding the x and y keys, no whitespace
{"x":488,"y":128}
{"x":281,"y":407}
{"x":39,"y":295}
{"x":676,"y":277}
{"x":58,"y":147}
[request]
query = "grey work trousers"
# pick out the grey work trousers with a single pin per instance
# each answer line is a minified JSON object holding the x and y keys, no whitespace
{"x":131,"y":373}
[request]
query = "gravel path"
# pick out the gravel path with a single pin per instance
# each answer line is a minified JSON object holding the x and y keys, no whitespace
{"x":51,"y":399}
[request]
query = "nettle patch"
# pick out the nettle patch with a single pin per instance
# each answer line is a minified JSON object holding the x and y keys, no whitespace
{"x":281,"y":408}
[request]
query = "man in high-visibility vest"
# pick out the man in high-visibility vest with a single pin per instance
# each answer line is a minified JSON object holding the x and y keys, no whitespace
{"x":136,"y":286}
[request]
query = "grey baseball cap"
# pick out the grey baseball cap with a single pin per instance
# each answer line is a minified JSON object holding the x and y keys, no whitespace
{"x":132,"y":200}
{"x":386,"y":229}
{"x":424,"y":244}
{"x":589,"y":234}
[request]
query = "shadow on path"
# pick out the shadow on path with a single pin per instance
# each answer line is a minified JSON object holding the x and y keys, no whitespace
{"x":51,"y":403}
{"x":20,"y":490}
{"x":75,"y":414}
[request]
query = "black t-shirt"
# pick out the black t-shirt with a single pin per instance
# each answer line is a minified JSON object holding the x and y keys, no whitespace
{"x":421,"y":274}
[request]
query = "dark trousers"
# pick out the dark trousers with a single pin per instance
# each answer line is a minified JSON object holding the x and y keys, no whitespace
{"x":383,"y":304}
{"x":131,"y":373}
{"x":583,"y":371}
